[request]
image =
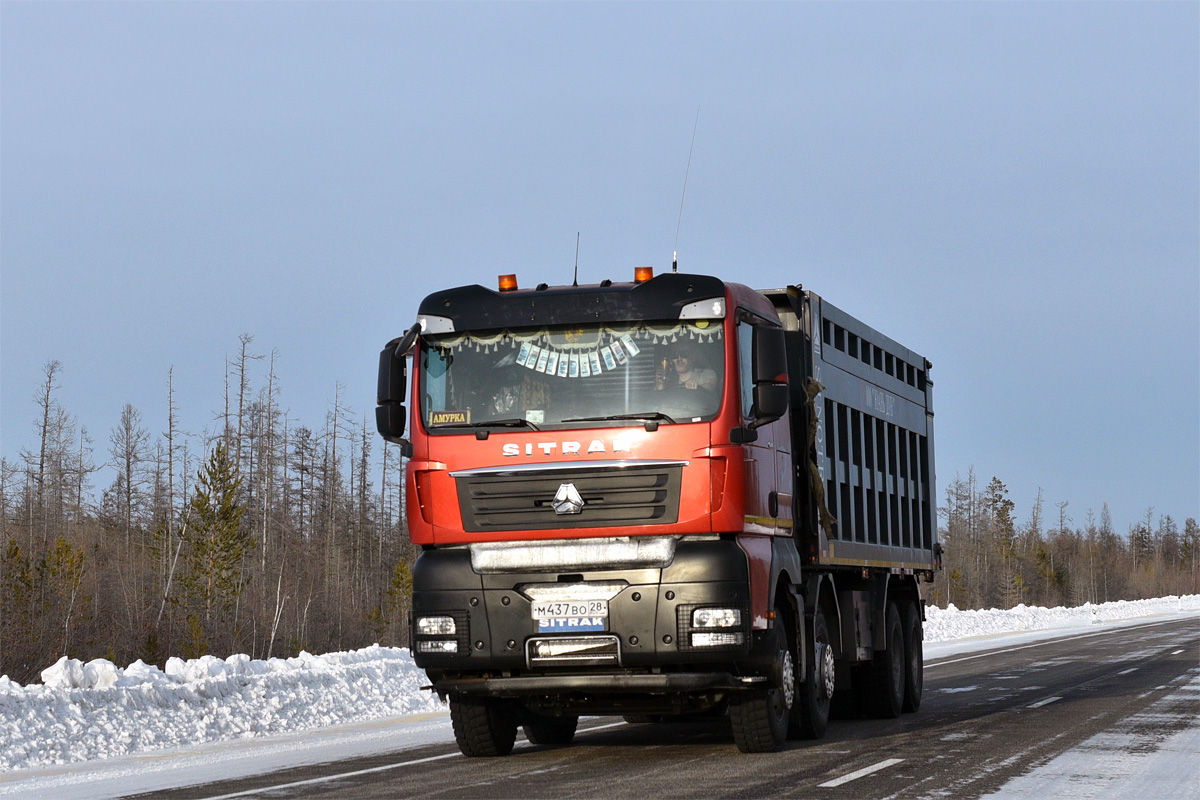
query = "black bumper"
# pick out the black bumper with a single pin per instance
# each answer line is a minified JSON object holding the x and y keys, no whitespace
{"x":649,"y":620}
{"x":527,"y":685}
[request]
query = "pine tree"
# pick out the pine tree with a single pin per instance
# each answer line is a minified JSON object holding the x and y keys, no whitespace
{"x":60,"y":574}
{"x":215,"y":542}
{"x":17,"y":617}
{"x":1004,"y":536}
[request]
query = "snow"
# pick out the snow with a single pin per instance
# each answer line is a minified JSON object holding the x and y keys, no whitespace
{"x":950,"y":623}
{"x":1135,"y":766}
{"x":97,"y":730}
{"x":84,"y":712}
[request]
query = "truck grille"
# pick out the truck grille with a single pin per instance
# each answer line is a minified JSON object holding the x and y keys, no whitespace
{"x":621,"y":494}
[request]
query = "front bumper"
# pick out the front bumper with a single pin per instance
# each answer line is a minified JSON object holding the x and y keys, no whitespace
{"x":597,"y":685}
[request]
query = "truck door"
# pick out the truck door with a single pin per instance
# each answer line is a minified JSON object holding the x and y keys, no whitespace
{"x":759,"y":455}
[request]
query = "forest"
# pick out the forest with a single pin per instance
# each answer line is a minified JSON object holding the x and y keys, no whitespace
{"x":267,"y":536}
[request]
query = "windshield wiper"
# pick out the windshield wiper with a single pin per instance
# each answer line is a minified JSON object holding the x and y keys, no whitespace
{"x":636,"y":415}
{"x":513,"y":422}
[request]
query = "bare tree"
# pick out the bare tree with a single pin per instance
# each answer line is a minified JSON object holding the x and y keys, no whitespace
{"x":243,"y":386}
{"x":128,"y":450}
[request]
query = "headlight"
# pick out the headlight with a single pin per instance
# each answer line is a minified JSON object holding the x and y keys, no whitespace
{"x":438,"y":646}
{"x":717,"y":618}
{"x":435,"y":626}
{"x":717,"y":639}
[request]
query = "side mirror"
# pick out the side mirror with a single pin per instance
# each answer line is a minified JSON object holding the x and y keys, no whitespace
{"x":390,"y":420}
{"x":770,"y":403}
{"x":393,"y":388}
{"x":770,"y":354}
{"x":393,"y":376}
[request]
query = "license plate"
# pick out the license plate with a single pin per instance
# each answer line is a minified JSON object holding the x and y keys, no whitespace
{"x":570,"y":615}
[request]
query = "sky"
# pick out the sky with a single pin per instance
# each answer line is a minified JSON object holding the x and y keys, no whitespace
{"x":1010,"y":189}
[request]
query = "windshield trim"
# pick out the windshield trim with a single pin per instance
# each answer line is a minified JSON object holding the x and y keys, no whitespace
{"x":553,"y":378}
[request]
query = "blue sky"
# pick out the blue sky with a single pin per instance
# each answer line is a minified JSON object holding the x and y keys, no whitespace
{"x":1011,"y":189}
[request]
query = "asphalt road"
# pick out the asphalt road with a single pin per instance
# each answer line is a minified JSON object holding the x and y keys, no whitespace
{"x":986,"y":718}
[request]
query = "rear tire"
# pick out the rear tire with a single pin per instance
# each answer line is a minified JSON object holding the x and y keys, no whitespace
{"x":483,"y":726}
{"x":760,"y":717}
{"x":887,"y":670}
{"x":815,"y":695}
{"x":547,"y":730}
{"x":914,"y":658}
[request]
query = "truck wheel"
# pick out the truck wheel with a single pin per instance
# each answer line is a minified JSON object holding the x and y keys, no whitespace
{"x":816,"y":692}
{"x":760,"y":717}
{"x":914,"y":658}
{"x":483,"y":726}
{"x":544,"y":729}
{"x":887,"y":670}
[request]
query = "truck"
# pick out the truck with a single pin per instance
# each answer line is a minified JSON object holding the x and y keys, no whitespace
{"x":663,"y":499}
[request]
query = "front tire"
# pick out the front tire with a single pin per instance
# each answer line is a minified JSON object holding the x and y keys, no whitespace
{"x":483,"y":726}
{"x":546,"y":730}
{"x":887,"y":670}
{"x":760,"y":717}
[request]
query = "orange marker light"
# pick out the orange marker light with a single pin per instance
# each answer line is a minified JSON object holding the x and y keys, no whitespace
{"x":508,"y":283}
{"x":642,"y":274}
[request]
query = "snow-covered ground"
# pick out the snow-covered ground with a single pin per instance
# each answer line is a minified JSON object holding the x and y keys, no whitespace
{"x":98,"y":730}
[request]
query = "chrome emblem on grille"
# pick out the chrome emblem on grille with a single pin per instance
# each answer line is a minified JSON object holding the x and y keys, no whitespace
{"x":567,"y":500}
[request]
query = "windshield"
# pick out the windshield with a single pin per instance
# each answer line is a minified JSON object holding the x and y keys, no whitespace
{"x":573,"y":375}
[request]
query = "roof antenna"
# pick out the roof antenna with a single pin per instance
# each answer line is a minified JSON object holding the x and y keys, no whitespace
{"x":675,"y":255}
{"x":576,"y":283}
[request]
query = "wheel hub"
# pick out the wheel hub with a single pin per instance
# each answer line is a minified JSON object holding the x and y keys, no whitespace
{"x":788,"y":671}
{"x":825,"y":669}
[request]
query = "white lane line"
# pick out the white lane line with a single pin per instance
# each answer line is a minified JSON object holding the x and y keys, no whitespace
{"x":1045,"y":702}
{"x":853,"y":776}
{"x":1127,"y":671}
{"x":385,"y":767}
{"x":1177,"y":652}
{"x":265,"y":789}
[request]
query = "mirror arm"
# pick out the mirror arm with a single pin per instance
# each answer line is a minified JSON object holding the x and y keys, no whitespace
{"x":405,"y":344}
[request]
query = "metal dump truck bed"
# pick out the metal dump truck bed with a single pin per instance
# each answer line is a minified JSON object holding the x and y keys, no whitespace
{"x":868,"y":431}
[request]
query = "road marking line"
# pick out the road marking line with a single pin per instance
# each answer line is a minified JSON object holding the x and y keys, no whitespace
{"x":326,"y":778}
{"x":853,"y":776}
{"x":1045,"y":702}
{"x":602,"y":727}
{"x":385,"y":767}
{"x":1177,"y":652}
{"x":1127,"y":671}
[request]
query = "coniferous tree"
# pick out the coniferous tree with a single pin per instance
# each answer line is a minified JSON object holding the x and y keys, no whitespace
{"x":215,"y":542}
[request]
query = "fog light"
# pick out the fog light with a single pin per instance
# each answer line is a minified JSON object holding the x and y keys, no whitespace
{"x":435,"y":626}
{"x":716,"y":618}
{"x":717,"y":639}
{"x":437,"y":646}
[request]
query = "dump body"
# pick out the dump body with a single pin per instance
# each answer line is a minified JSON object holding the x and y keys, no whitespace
{"x":659,"y":498}
{"x":870,"y":436}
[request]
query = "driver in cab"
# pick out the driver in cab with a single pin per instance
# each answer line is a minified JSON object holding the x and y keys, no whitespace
{"x":689,"y":374}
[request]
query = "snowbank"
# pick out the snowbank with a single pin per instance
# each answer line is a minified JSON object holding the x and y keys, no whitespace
{"x":948,"y":624}
{"x":98,"y":710}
